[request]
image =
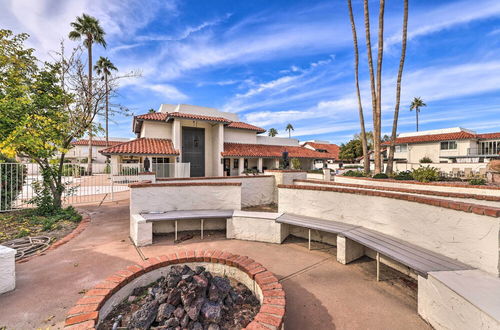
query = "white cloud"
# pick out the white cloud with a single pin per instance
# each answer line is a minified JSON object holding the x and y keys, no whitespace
{"x":169,"y":92}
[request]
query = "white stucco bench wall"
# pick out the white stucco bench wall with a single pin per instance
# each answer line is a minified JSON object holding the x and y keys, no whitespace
{"x":256,"y":226}
{"x":7,"y":269}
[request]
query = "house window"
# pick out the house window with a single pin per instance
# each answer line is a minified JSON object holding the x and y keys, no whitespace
{"x":449,"y":145}
{"x":236,"y":163}
{"x":402,"y":148}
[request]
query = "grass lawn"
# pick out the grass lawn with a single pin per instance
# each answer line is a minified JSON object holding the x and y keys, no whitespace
{"x":22,"y":223}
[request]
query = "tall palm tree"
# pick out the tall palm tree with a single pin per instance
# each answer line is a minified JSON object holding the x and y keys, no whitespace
{"x":392,"y":149}
{"x":416,"y":104}
{"x":380,"y":53}
{"x":364,"y":142}
{"x":289,"y":128}
{"x":103,"y":68}
{"x":273,"y":132}
{"x":88,"y":28}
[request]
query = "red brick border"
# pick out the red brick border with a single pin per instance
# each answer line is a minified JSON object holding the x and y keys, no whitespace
{"x":85,"y":314}
{"x":443,"y":184}
{"x":182,"y":184}
{"x":216,"y":178}
{"x":445,"y":203}
{"x":285,"y":171}
{"x":406,"y":190}
{"x":84,"y":223}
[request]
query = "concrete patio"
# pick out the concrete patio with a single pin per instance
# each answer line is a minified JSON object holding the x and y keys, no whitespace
{"x":321,"y":293}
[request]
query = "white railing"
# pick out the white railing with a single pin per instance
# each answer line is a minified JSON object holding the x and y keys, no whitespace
{"x":165,"y":170}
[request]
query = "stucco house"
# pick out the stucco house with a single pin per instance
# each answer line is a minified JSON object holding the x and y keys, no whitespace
{"x":80,"y":149}
{"x":214,"y":143}
{"x":450,"y":145}
{"x":325,"y":147}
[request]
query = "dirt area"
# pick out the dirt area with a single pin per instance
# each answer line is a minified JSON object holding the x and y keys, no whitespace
{"x":261,"y":208}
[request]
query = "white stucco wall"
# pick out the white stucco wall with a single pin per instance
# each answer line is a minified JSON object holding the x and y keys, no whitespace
{"x":284,"y":177}
{"x":470,"y":238}
{"x":256,"y":226}
{"x":156,"y":129}
{"x":240,"y":136}
{"x":278,"y":141}
{"x":160,"y":198}
{"x":430,"y":187}
{"x":7,"y":269}
{"x":255,"y":190}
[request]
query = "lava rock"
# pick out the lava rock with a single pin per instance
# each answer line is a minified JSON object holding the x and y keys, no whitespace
{"x":199,"y":269}
{"x":184,"y":321}
{"x":173,"y":279}
{"x":174,"y":297}
{"x":164,"y":312}
{"x":171,"y":322}
{"x":197,"y":326}
{"x":187,"y":297}
{"x":179,"y":312}
{"x":187,"y":277}
{"x":211,"y":312}
{"x":213,"y":326}
{"x":193,"y":311}
{"x":144,"y":317}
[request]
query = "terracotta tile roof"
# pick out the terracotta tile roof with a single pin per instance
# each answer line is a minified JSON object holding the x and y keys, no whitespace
{"x":434,"y":138}
{"x":160,"y":116}
{"x":242,"y":125}
{"x":143,"y":146}
{"x":97,"y":143}
{"x":270,"y":151}
{"x":331,"y":149}
{"x":486,"y":136}
{"x":198,"y":117}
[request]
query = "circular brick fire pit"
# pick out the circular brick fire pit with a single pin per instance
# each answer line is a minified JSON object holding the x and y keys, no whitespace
{"x":100,"y":300}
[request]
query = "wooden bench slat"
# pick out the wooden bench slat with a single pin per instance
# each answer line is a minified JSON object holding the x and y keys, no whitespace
{"x":319,"y":224}
{"x":187,"y":215}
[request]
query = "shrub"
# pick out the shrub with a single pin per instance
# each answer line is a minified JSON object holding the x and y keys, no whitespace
{"x":296,"y":163}
{"x":403,"y":175}
{"x":315,"y":171}
{"x":129,"y":171}
{"x":73,"y":170}
{"x":425,"y":174}
{"x":380,"y":176}
{"x":425,"y":160}
{"x":12,"y":176}
{"x":354,"y":173}
{"x":477,"y":181}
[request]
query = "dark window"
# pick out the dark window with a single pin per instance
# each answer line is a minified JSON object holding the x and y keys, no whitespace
{"x":449,"y":145}
{"x":236,"y":163}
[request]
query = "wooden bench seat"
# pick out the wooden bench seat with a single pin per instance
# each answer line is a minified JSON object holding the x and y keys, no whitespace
{"x":421,"y":260}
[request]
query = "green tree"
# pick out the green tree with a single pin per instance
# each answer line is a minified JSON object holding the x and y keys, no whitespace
{"x":151,"y":110}
{"x":351,"y":150}
{"x":89,"y":29}
{"x":416,"y":104}
{"x":272,"y":132}
{"x":103,"y":68}
{"x":296,"y":165}
{"x":289,"y":128}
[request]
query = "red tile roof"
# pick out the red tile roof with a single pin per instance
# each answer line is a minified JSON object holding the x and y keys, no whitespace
{"x":331,"y":149}
{"x":434,"y":138}
{"x":487,"y":136}
{"x":97,"y":143}
{"x":143,"y":146}
{"x":198,"y":117}
{"x":270,"y":151}
{"x":160,"y":116}
{"x":242,"y":125}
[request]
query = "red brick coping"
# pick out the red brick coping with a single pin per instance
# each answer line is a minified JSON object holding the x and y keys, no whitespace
{"x":285,"y":171}
{"x":85,"y":314}
{"x":84,"y":223}
{"x":216,"y":178}
{"x":443,"y":184}
{"x":445,"y":203}
{"x":406,"y":190}
{"x":182,"y":184}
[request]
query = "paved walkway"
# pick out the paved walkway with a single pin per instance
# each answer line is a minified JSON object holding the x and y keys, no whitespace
{"x":321,"y":293}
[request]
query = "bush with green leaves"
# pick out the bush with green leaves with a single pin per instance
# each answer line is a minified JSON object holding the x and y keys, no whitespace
{"x":296,"y":163}
{"x":403,"y":175}
{"x":477,"y":181}
{"x":73,"y":170}
{"x":425,"y":174}
{"x":426,"y":160}
{"x":354,"y":173}
{"x":380,"y":176}
{"x":12,"y":177}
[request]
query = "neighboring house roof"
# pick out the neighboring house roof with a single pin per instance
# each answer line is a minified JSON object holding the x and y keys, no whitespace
{"x":163,"y":116}
{"x":487,"y":136}
{"x":270,"y":151}
{"x":242,"y":125}
{"x":97,"y":143}
{"x":434,"y":138}
{"x":143,"y":146}
{"x":329,"y":148}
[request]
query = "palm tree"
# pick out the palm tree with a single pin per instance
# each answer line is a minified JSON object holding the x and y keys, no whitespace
{"x":103,"y":68}
{"x":273,"y":132}
{"x":88,"y":28}
{"x":151,"y":110}
{"x":415,"y":105}
{"x":289,"y":128}
{"x":390,"y":160}
{"x":377,"y":131}
{"x":364,"y":142}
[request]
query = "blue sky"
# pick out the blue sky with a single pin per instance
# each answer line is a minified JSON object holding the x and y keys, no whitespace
{"x":275,"y":62}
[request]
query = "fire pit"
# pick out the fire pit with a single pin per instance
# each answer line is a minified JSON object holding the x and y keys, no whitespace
{"x":185,"y":290}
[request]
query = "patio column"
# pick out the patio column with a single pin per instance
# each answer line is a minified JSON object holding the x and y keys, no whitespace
{"x":241,"y":164}
{"x":259,"y":164}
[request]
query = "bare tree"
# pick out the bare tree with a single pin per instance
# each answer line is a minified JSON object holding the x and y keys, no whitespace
{"x":390,"y":160}
{"x":366,"y":159}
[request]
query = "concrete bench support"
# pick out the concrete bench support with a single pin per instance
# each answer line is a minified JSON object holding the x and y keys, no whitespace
{"x":348,"y":250}
{"x":141,"y":232}
{"x":7,"y":269}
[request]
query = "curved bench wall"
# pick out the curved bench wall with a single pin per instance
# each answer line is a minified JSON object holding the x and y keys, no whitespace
{"x":468,"y":237}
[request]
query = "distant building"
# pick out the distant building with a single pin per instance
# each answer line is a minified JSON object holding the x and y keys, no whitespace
{"x":325,"y":147}
{"x":80,"y":149}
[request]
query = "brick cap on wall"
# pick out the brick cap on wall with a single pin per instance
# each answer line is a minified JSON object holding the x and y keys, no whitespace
{"x":445,"y":203}
{"x":405,"y":190}
{"x":215,"y":178}
{"x":85,"y":314}
{"x":182,"y":184}
{"x":443,"y":184}
{"x":285,"y":171}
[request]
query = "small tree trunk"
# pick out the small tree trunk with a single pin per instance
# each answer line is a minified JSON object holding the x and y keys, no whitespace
{"x":377,"y":120}
{"x":107,"y":105}
{"x":89,"y":105}
{"x":416,"y":112}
